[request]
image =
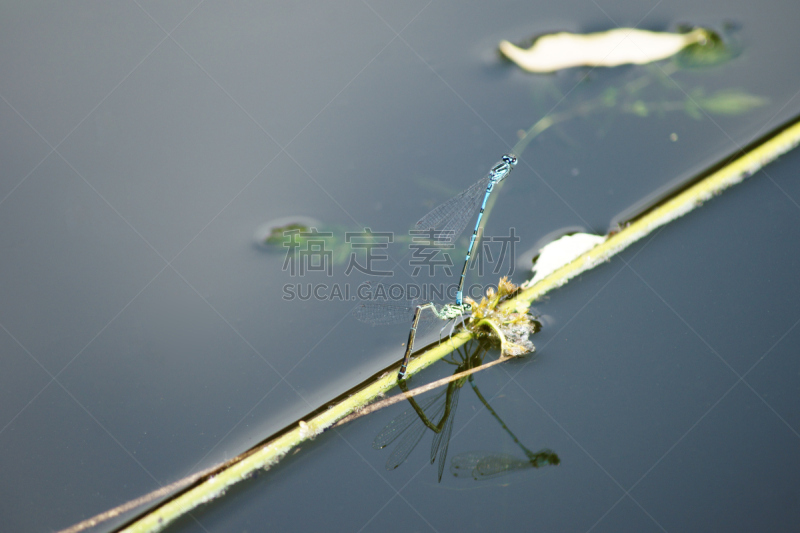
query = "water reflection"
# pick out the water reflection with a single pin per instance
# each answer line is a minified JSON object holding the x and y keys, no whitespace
{"x":437,"y":414}
{"x":487,"y":465}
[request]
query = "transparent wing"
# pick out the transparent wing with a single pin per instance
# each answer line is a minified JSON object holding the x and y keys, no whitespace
{"x":454,"y":214}
{"x":463,"y":464}
{"x":499,"y":464}
{"x":400,"y":423}
{"x":486,"y":465}
{"x":411,"y":438}
{"x":384,"y":313}
{"x":401,"y":452}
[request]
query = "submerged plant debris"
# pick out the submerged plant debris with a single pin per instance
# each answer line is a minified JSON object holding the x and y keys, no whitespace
{"x":275,"y":232}
{"x":301,"y":234}
{"x":653,"y":93}
{"x":620,"y":46}
{"x":724,"y":102}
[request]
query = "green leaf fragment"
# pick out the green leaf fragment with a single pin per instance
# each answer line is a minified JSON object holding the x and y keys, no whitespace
{"x":730,"y":102}
{"x":640,"y":108}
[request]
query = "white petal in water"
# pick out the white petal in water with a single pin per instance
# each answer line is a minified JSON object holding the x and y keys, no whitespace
{"x":611,"y":48}
{"x":560,"y":252}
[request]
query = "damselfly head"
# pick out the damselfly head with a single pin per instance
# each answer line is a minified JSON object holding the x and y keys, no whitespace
{"x":502,"y":168}
{"x":510,"y":159}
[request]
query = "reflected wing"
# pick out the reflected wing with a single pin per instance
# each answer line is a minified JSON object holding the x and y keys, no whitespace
{"x":441,"y":440}
{"x":486,"y":465}
{"x":400,"y":423}
{"x":411,"y":427}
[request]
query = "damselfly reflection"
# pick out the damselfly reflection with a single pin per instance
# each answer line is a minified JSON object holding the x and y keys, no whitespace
{"x":438,"y":413}
{"x":410,"y":425}
{"x":487,"y":465}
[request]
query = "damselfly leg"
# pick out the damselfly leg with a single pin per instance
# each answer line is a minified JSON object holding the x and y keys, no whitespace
{"x":447,"y":312}
{"x":384,"y":313}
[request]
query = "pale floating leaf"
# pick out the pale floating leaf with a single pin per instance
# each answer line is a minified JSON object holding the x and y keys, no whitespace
{"x":610,"y":48}
{"x":561,"y":251}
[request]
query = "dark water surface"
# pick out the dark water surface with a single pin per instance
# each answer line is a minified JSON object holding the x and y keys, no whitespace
{"x":144,"y":334}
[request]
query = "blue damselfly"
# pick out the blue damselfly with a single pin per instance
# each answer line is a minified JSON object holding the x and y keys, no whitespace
{"x":453,"y":215}
{"x":450,"y":218}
